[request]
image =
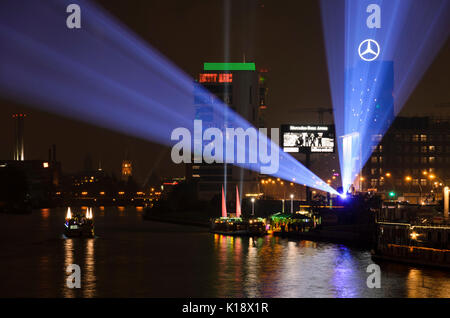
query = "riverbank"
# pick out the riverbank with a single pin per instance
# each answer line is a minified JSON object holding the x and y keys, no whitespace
{"x":350,"y":235}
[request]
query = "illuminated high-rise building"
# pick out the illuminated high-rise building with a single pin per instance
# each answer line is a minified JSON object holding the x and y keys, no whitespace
{"x":242,"y":88}
{"x":370,"y":104}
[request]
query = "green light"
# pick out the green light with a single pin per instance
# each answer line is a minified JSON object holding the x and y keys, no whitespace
{"x":229,"y":66}
{"x":392,"y":193}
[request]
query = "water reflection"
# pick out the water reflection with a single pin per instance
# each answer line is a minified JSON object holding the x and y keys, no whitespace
{"x":346,"y":280}
{"x":251,"y":281}
{"x":419,"y":285}
{"x":68,"y":260}
{"x":135,"y":258}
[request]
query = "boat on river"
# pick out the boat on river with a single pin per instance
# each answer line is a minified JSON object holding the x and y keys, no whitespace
{"x":237,"y":225}
{"x":79,"y":224}
{"x":412,"y":234}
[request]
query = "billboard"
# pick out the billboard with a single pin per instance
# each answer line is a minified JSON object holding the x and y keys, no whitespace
{"x":307,"y":138}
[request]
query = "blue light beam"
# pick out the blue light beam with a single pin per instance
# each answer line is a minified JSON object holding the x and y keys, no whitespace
{"x":370,"y":83}
{"x":104,"y":75}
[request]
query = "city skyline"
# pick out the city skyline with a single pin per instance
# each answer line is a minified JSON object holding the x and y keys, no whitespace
{"x":225,"y":156}
{"x":303,"y":71}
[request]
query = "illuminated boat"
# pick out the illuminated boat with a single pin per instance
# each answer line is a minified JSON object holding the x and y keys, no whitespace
{"x":237,"y":225}
{"x":256,"y":226}
{"x":412,"y":234}
{"x":78,"y":224}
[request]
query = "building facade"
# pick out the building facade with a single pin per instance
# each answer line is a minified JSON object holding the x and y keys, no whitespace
{"x":412,"y":160}
{"x":243,"y":89}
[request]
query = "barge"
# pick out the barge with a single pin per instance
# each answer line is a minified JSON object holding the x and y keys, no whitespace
{"x":236,"y":225}
{"x":413,"y":234}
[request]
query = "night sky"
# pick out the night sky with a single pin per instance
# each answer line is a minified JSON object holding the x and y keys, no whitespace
{"x":283,"y":36}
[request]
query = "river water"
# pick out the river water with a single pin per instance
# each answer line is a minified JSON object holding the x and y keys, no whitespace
{"x":131,"y":257}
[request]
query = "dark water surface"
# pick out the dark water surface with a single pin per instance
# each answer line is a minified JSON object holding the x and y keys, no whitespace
{"x":135,"y":258}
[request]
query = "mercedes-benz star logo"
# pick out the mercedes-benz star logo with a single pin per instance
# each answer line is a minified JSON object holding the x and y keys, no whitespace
{"x":369,"y":50}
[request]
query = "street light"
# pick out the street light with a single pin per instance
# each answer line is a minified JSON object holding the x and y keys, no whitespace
{"x":282,"y":208}
{"x":408,"y":178}
{"x":292,"y":204}
{"x":253,"y":206}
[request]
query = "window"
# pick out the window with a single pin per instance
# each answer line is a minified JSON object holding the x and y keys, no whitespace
{"x":423,"y":182}
{"x":373,"y":171}
{"x":431,"y":148}
{"x":380,"y":159}
{"x":373,"y":182}
{"x":415,"y":138}
{"x":423,"y":149}
{"x":423,"y":137}
{"x":431,"y":159}
{"x":373,"y":159}
{"x":423,"y":159}
{"x":415,"y":181}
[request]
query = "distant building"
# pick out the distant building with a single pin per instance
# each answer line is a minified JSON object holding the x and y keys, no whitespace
{"x":412,"y":160}
{"x":42,"y":178}
{"x":242,"y":88}
{"x":127,"y":170}
{"x":19,"y":149}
